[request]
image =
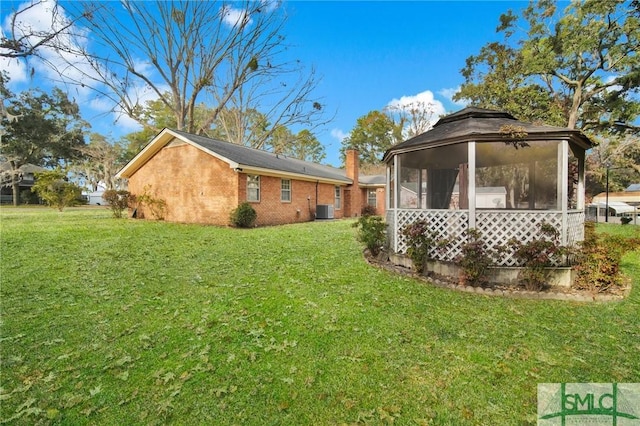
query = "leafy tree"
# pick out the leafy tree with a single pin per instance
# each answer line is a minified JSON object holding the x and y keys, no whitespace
{"x":242,"y":127}
{"x":102,"y":160}
{"x":54,"y":189}
{"x":579,"y":69}
{"x":373,"y":134}
{"x":226,"y":55}
{"x":133,"y":143}
{"x":303,"y":146}
{"x":39,"y":128}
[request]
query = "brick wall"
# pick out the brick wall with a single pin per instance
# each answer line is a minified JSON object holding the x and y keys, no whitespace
{"x":196,"y":187}
{"x":380,"y":199}
{"x":272,"y":210}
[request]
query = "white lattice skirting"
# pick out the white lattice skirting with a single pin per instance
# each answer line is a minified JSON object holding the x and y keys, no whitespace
{"x":496,"y":228}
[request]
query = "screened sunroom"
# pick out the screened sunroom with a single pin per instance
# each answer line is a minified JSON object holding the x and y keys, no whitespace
{"x":484,"y":169}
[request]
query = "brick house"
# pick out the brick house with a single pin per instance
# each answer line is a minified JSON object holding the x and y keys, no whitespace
{"x":201,"y":180}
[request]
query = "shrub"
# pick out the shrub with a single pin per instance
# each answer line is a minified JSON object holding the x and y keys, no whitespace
{"x":368,"y":210}
{"x":157,"y":206}
{"x":118,"y":201}
{"x":420,"y":240}
{"x":598,"y":262}
{"x":371,"y":232}
{"x":54,"y":189}
{"x":475,"y":259}
{"x":536,"y":255}
{"x":625,"y":220}
{"x":243,"y":216}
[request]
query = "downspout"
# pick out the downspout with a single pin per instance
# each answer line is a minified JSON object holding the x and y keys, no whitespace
{"x":317,"y":183}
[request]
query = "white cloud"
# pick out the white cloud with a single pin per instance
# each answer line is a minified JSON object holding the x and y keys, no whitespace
{"x":339,"y":134}
{"x":431,"y":109}
{"x":34,"y":21}
{"x":16,"y":68}
{"x":425,"y":99}
{"x":233,"y":16}
{"x":449,"y":93}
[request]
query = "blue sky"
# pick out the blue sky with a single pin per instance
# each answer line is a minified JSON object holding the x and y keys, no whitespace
{"x":368,"y":54}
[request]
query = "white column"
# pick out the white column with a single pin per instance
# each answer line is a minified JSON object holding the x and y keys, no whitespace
{"x":563,"y":154}
{"x":396,"y":182}
{"x":581,"y":161}
{"x":471,"y":190}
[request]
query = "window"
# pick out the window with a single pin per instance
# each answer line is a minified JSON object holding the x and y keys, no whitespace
{"x":253,"y":188}
{"x":337,"y":201}
{"x":372,"y":200}
{"x":285,"y":190}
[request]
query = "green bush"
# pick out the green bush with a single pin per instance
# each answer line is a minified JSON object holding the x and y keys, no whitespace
{"x":420,"y":240}
{"x":625,"y":220}
{"x":243,"y":216}
{"x":536,"y":255}
{"x":598,"y":262}
{"x":371,"y":232}
{"x":475,"y":259}
{"x":118,"y":201}
{"x":54,"y":189}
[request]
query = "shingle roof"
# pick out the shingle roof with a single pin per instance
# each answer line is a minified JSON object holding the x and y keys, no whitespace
{"x":372,"y":180}
{"x":238,"y":156}
{"x":246,"y":156}
{"x":482,"y":124}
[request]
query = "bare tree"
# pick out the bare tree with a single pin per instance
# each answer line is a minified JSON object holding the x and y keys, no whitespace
{"x":24,"y":39}
{"x":188,"y":53}
{"x":415,"y":117}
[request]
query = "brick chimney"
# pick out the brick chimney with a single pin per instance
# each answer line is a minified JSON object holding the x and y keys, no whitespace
{"x":352,"y":163}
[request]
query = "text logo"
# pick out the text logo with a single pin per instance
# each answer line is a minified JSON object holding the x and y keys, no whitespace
{"x":616,"y":404}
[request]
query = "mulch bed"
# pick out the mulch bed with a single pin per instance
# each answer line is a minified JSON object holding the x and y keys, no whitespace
{"x":553,"y":293}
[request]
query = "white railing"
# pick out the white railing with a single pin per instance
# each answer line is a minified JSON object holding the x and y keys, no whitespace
{"x":497,"y":227}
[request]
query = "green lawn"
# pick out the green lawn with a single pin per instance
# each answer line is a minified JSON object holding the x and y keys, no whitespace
{"x":109,"y":321}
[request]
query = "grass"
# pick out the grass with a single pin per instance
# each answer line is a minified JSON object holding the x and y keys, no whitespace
{"x":109,"y":321}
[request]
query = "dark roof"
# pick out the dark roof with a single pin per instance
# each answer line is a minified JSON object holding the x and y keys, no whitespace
{"x":25,"y":168}
{"x":251,"y":157}
{"x":372,"y":180}
{"x":483,"y":125}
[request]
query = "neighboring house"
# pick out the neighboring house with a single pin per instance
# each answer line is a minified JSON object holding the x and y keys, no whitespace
{"x":95,"y":198}
{"x":26,"y":179}
{"x":202,"y":180}
{"x":619,"y":204}
{"x":630,"y":196}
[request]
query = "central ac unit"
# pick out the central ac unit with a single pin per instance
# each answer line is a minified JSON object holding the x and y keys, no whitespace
{"x":324,"y":211}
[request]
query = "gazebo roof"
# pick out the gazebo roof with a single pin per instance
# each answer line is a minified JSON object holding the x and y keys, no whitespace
{"x":484,"y":125}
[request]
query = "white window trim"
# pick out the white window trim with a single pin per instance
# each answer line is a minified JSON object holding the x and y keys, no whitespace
{"x":374,"y":198}
{"x":337,"y":194}
{"x":285,"y":191}
{"x":248,"y":188}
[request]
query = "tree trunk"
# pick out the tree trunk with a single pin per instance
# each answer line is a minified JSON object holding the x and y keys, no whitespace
{"x":15,"y":186}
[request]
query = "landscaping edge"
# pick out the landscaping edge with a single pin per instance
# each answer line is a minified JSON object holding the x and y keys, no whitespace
{"x":565,"y":294}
